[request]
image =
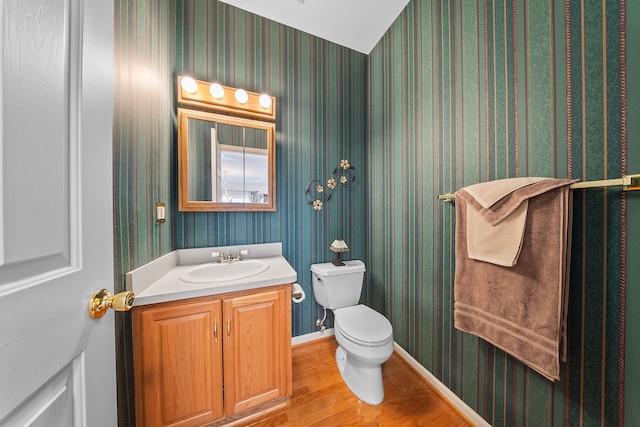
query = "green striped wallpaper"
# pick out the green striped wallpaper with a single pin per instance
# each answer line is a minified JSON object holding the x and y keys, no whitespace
{"x":462,"y":92}
{"x":320,"y":89}
{"x":456,"y":92}
{"x":632,"y":109}
{"x":143,"y":157}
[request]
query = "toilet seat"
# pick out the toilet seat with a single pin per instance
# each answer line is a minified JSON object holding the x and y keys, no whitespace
{"x":363,"y":325}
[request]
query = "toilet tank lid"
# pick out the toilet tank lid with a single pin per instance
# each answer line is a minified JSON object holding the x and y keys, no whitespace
{"x":328,"y":269}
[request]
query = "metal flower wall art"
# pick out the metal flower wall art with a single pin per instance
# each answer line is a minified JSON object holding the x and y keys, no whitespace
{"x":317,"y":194}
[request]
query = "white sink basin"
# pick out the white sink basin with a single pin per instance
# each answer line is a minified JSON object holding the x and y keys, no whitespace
{"x":222,"y":272}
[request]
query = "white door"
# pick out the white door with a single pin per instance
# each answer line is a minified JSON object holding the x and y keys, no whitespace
{"x":57,"y":366}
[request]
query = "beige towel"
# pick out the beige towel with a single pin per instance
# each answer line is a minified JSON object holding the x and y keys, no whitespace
{"x":496,"y":215}
{"x":489,"y":193}
{"x":498,"y":244}
{"x":520,"y":309}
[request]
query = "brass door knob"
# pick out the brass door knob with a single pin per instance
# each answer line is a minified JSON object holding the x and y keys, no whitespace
{"x":102,"y":300}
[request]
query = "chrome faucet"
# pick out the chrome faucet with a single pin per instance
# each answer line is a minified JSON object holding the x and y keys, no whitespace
{"x":229,"y":256}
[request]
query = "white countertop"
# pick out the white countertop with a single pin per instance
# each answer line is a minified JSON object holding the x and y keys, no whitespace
{"x":158,"y":281}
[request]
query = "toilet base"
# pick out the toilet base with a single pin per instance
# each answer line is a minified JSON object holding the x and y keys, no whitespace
{"x":365,"y":381}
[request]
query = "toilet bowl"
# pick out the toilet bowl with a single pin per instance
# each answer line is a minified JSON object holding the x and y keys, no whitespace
{"x":365,"y":339}
{"x":364,"y":336}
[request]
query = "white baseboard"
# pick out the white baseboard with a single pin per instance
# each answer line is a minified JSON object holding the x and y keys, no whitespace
{"x":312,"y":336}
{"x":453,"y":398}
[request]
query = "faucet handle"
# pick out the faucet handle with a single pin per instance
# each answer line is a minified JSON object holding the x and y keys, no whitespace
{"x":220,"y":256}
{"x":240,"y":253}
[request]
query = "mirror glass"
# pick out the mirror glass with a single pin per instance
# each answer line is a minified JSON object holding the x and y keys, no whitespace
{"x":225,"y":163}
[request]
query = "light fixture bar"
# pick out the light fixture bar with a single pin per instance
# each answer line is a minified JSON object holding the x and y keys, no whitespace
{"x":203,"y":98}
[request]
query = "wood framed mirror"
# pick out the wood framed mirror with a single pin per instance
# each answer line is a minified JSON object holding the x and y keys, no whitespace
{"x":225,"y":163}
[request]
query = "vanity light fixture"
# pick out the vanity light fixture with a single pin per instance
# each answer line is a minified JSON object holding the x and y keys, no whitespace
{"x":217,"y":97}
{"x":242,"y":96}
{"x":189,"y":85}
{"x":217,"y":91}
{"x":264,"y":100}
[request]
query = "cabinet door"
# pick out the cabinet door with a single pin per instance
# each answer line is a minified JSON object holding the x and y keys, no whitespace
{"x":178,"y":363}
{"x":257,"y":349}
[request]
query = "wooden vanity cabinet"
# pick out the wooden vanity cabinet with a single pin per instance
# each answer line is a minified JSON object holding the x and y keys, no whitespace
{"x":257,"y":351}
{"x":178,"y":363}
{"x":204,"y":359}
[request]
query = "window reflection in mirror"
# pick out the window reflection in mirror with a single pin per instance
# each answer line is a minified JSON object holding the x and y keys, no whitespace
{"x":225,"y":163}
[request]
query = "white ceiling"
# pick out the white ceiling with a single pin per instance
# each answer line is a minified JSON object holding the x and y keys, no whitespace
{"x":356,"y":24}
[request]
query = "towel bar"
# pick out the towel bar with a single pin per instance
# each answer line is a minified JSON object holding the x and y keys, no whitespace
{"x":627,"y":182}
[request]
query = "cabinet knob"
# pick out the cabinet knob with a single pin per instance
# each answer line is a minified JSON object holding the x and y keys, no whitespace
{"x":215,"y":330}
{"x":229,"y":328}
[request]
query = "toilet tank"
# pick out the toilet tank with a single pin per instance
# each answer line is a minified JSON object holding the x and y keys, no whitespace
{"x":337,"y":287}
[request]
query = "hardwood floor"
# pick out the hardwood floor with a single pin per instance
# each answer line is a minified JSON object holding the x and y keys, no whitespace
{"x":320,"y":397}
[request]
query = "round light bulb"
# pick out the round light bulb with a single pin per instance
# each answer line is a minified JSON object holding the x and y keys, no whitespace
{"x":264,"y":100}
{"x":241,"y":96}
{"x":217,"y":91}
{"x":189,"y":85}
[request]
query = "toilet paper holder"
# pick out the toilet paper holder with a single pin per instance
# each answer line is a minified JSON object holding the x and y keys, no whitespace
{"x":297,"y":293}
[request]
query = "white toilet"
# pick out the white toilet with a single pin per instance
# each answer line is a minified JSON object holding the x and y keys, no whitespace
{"x":365,"y":337}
